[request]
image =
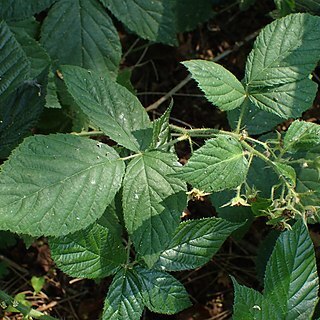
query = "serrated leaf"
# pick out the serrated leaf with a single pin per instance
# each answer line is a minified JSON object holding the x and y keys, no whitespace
{"x":60,"y":184}
{"x":152,"y":20}
{"x":194,"y":243}
{"x":291,"y":280}
{"x":162,"y":293}
{"x":117,"y":112}
{"x":19,"y":112}
{"x":29,"y":26}
{"x":301,"y":136}
{"x":287,"y":172}
{"x":20,"y":9}
{"x":286,"y":50}
{"x":153,"y":201}
{"x":220,"y":164}
{"x":94,"y":252}
{"x":39,"y":59}
{"x":161,"y":130}
{"x":188,"y":14}
{"x":14,"y":65}
{"x":124,"y":299}
{"x":80,"y":32}
{"x":254,"y":120}
{"x":250,"y":304}
{"x":287,"y":100}
{"x":220,"y":86}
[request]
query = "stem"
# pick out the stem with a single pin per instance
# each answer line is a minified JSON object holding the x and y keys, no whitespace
{"x":88,"y":133}
{"x":128,"y":250}
{"x":173,"y":142}
{"x":26,"y":311}
{"x":242,"y":112}
{"x":130,"y":157}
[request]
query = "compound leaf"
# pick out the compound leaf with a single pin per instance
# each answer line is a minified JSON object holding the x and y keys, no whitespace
{"x":162,"y":293}
{"x":220,"y":164}
{"x":152,"y":20}
{"x":286,"y":50}
{"x":57,"y":184}
{"x":80,"y":32}
{"x":94,"y":252}
{"x":286,"y":101}
{"x":220,"y":86}
{"x":301,"y":136}
{"x":114,"y":109}
{"x":153,"y":201}
{"x":194,"y":243}
{"x":291,"y":280}
{"x":14,"y":65}
{"x":124,"y":298}
{"x":20,"y":9}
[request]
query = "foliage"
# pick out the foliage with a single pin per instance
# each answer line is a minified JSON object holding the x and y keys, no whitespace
{"x":65,"y":185}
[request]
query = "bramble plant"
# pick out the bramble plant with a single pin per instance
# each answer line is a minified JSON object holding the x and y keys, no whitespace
{"x":115,"y":211}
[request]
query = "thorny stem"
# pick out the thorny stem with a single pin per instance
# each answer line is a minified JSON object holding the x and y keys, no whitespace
{"x":7,"y":300}
{"x":128,"y":250}
{"x":130,"y":157}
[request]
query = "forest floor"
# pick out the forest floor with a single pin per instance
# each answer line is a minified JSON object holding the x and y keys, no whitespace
{"x":228,"y":36}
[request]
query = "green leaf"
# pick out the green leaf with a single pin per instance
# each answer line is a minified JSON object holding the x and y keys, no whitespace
{"x":162,"y":293}
{"x":254,"y":120}
{"x":241,"y":215}
{"x":52,"y":100}
{"x":37,"y":283}
{"x":301,"y":136}
{"x":91,"y":253}
{"x":287,"y":172}
{"x":161,"y":130}
{"x":20,"y":9}
{"x":250,"y":304}
{"x":37,"y":56}
{"x":194,"y":243}
{"x":152,"y":20}
{"x":124,"y":79}
{"x":14,"y":65}
{"x":285,"y":7}
{"x":80,"y":32}
{"x":286,"y":50}
{"x":153,"y":201}
{"x":220,"y":164}
{"x":117,"y":112}
{"x":19,"y":112}
{"x":312,"y":6}
{"x":308,"y":187}
{"x":124,"y":299}
{"x":57,"y":184}
{"x":188,"y":14}
{"x":286,"y":101}
{"x":29,"y":26}
{"x":220,"y":86}
{"x":291,"y":280}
